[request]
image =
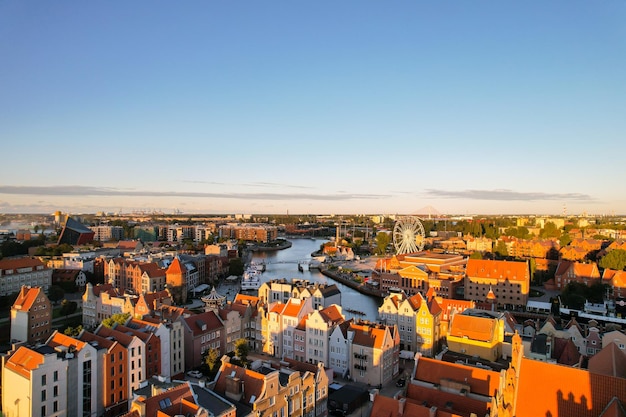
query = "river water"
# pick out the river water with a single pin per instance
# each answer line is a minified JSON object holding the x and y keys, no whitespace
{"x":284,"y":264}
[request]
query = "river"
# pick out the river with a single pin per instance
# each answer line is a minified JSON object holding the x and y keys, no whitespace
{"x":284,"y":264}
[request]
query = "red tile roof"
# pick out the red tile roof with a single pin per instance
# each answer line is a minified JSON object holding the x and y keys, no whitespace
{"x":611,"y":360}
{"x":209,"y":318}
{"x":11,"y":264}
{"x":152,"y":269}
{"x":385,"y":407}
{"x":331,"y":314}
{"x":107,"y":288}
{"x":123,"y":338}
{"x":454,"y":403}
{"x":481,"y":381}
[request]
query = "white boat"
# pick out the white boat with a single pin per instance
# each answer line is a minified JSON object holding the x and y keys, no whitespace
{"x":258,"y":266}
{"x":251,"y":279}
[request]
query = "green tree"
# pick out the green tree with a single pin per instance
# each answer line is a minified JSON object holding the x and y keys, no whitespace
{"x":615,"y":259}
{"x":565,"y":239}
{"x":476,"y":255}
{"x":382,"y":241}
{"x":211,"y":360}
{"x":119,"y":318}
{"x":73,"y":331}
{"x":55,"y":293}
{"x":550,"y":231}
{"x":242,"y":349}
{"x":501,"y":249}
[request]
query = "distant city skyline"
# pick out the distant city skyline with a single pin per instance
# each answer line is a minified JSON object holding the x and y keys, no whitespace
{"x":313,"y":108}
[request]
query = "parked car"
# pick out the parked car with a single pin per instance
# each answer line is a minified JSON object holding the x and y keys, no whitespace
{"x":195,"y":374}
{"x":401,"y":382}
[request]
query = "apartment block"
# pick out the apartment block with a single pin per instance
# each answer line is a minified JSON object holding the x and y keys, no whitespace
{"x":17,"y":272}
{"x":31,"y":316}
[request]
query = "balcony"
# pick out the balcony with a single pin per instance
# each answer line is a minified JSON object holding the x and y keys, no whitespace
{"x":361,"y":357}
{"x":360,"y":367}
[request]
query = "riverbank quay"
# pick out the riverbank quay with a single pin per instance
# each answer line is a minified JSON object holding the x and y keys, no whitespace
{"x":346,"y":279}
{"x":269,"y":247}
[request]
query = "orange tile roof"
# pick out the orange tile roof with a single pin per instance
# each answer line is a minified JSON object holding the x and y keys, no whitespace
{"x":292,"y":308}
{"x":415,"y":301}
{"x":485,"y":268}
{"x":564,"y":391}
{"x":60,"y":339}
{"x":586,"y":270}
{"x":368,"y":335}
{"x":481,"y":381}
{"x":385,"y":407}
{"x":475,"y":328}
{"x":618,"y":279}
{"x":177,"y":397}
{"x":24,"y":360}
{"x":176,"y":267}
{"x":246,"y":299}
{"x":26,"y":298}
{"x":253,"y":382}
{"x":277,"y":308}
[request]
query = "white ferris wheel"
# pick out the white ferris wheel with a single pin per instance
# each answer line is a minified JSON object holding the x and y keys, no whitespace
{"x":408,"y":235}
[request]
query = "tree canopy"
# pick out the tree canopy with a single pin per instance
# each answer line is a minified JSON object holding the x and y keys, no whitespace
{"x":55,"y":293}
{"x":615,"y":259}
{"x":382,"y":241}
{"x":242,"y":349}
{"x":550,"y":230}
{"x":212,"y":360}
{"x":119,"y":318}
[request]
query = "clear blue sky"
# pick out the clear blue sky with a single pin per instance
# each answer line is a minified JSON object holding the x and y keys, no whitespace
{"x":313,"y":107}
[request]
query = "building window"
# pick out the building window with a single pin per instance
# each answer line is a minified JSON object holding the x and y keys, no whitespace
{"x":43,"y":395}
{"x":43,"y":411}
{"x":55,"y":376}
{"x":43,"y":380}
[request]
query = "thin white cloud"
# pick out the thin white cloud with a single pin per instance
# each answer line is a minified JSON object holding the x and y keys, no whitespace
{"x":251,"y":184}
{"x":506,"y":195}
{"x":79,"y":190}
